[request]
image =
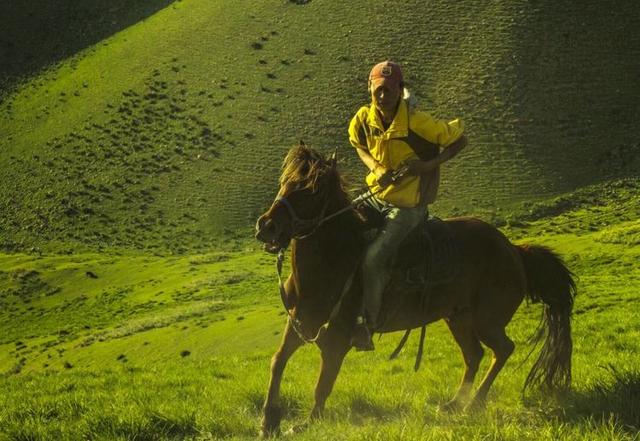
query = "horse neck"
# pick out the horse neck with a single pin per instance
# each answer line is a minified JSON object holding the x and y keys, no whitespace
{"x":325,"y":259}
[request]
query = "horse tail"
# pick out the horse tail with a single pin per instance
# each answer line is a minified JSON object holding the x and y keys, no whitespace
{"x":550,"y":281}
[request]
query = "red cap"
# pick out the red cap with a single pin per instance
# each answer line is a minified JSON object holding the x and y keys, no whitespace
{"x":385,"y":72}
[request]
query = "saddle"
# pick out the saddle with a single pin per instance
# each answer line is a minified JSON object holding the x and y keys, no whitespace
{"x":429,"y":255}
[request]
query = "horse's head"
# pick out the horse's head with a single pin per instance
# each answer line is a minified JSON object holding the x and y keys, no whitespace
{"x":308,"y":183}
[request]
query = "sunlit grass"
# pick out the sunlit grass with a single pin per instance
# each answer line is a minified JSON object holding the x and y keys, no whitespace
{"x":132,"y":304}
{"x":184,"y":350}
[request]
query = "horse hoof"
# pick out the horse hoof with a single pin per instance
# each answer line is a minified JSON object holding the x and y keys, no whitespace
{"x":269,"y":430}
{"x":298,"y":428}
{"x":452,"y":406}
{"x":270,"y":423}
{"x":269,"y":433}
{"x":475,"y":406}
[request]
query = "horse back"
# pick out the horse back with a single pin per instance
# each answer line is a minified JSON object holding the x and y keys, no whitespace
{"x":482,"y":258}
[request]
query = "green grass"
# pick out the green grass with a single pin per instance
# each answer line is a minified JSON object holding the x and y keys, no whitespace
{"x":140,"y":143}
{"x":64,"y":308}
{"x":178,"y":347}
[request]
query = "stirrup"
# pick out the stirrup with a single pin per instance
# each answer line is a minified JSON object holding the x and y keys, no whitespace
{"x":361,"y":337}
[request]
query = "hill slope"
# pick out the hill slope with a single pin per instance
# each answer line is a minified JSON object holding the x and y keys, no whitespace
{"x":171,"y":131}
{"x":37,"y":34}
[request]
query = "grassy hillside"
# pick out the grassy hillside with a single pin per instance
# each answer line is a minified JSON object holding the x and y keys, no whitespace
{"x":141,"y":139}
{"x":134,"y":346}
{"x":37,"y":34}
{"x":167,"y":135}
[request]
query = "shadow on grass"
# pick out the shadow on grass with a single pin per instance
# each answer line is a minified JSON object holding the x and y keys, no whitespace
{"x":38,"y":33}
{"x":172,"y":427}
{"x":362,"y":406}
{"x":612,"y":398}
{"x":616,"y":397}
{"x":572,"y":37}
{"x":153,"y":426}
{"x":290,"y":406}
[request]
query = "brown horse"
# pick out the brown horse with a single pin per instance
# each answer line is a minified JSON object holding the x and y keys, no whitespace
{"x":477,"y":305}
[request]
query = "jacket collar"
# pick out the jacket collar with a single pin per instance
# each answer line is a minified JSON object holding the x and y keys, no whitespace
{"x":399,"y":127}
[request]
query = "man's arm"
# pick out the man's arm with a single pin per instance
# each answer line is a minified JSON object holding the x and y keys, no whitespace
{"x":417,"y":167}
{"x":373,"y":165}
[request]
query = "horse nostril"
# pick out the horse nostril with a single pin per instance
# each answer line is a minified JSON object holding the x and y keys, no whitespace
{"x":264,"y":229}
{"x":268,"y":226}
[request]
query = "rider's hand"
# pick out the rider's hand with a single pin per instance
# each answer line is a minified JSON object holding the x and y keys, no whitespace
{"x":386,"y":179}
{"x":413,"y":167}
{"x":379,"y":170}
{"x":383,"y":175}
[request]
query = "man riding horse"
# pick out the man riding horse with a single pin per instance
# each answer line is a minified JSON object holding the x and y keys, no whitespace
{"x":403,"y":148}
{"x":313,"y":215}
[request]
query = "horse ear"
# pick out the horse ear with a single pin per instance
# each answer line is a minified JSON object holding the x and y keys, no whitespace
{"x":333,"y":159}
{"x":302,"y":144}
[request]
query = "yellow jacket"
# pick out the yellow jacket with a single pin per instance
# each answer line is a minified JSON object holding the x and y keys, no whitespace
{"x":412,"y":135}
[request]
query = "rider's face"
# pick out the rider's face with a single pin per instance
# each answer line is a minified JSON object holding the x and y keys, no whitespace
{"x":385,"y":97}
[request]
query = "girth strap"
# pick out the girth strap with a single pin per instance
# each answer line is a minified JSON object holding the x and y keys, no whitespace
{"x":403,"y":341}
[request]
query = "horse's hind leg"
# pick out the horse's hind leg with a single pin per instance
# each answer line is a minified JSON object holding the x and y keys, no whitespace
{"x":496,"y":339}
{"x":461,"y":326}
{"x":271,"y":409}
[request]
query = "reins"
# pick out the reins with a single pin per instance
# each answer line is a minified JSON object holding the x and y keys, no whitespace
{"x":298,"y":224}
{"x":296,"y":324}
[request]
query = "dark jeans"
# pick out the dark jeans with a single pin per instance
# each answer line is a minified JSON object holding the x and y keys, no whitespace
{"x":398,"y":223}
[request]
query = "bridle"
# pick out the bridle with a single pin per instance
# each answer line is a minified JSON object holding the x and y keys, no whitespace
{"x":303,"y":228}
{"x":298,"y":225}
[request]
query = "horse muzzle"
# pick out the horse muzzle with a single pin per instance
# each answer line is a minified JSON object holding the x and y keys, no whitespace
{"x":268,"y":232}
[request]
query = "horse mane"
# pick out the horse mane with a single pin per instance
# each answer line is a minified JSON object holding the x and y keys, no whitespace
{"x":306,"y":168}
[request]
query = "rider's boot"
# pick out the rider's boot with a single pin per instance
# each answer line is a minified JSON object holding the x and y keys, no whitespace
{"x":361,"y":337}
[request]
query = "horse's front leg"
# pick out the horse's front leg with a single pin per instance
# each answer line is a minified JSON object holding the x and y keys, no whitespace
{"x":272,"y":413}
{"x":334,"y":346}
